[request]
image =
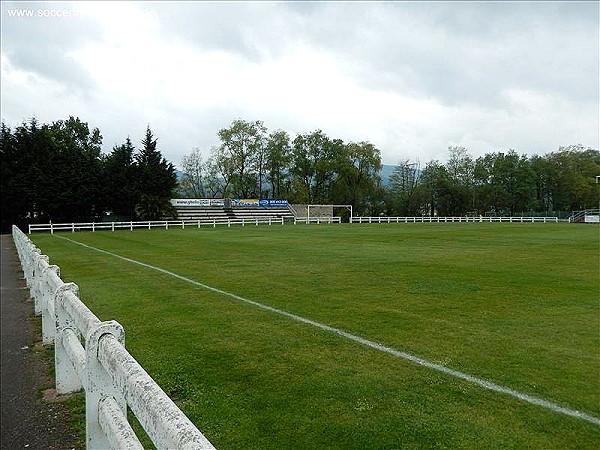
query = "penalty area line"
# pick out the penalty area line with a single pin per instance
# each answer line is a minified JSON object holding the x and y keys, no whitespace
{"x":371,"y":344}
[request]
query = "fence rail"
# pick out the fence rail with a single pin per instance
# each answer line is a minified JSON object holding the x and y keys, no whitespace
{"x":317,"y":220}
{"x":587,"y":215}
{"x":433,"y":219}
{"x":166,"y":224}
{"x":90,"y":354}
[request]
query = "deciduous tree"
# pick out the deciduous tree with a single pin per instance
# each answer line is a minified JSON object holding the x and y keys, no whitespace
{"x":194,"y":175}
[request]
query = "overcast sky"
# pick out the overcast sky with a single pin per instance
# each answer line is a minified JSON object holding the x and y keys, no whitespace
{"x":411,"y":77}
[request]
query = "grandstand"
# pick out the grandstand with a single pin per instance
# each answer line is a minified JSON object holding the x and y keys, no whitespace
{"x":221,"y":210}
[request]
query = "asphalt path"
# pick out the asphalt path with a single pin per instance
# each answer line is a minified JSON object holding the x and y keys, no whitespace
{"x":28,"y":420}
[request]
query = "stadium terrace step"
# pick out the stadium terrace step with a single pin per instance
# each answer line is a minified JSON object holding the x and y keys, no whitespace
{"x":209,"y":213}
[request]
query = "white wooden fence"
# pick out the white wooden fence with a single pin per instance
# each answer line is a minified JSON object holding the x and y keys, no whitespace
{"x":317,"y":220}
{"x":166,"y":224}
{"x":111,"y":378}
{"x":435,"y":219}
{"x":585,"y":216}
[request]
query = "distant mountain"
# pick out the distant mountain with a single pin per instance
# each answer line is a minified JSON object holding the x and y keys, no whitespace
{"x":386,"y":171}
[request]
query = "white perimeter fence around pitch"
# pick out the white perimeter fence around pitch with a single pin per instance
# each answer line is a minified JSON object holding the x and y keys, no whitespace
{"x":166,"y":224}
{"x":111,"y":378}
{"x":453,"y":219}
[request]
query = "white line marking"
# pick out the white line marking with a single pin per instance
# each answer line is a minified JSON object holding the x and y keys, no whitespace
{"x":392,"y":351}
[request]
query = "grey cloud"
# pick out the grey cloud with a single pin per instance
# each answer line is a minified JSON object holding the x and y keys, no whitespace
{"x":252,"y":30}
{"x":463,"y":52}
{"x":41,"y":44}
{"x":455,"y":52}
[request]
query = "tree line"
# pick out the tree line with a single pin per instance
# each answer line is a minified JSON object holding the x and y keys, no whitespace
{"x":314,"y":168}
{"x":499,"y":183}
{"x":311,"y":168}
{"x":57,"y":172}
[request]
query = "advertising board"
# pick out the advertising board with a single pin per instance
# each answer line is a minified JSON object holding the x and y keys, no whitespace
{"x":204,"y":202}
{"x":197,"y":202}
{"x":273,"y":203}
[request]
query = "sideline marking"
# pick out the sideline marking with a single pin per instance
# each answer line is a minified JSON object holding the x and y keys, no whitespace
{"x":392,"y":351}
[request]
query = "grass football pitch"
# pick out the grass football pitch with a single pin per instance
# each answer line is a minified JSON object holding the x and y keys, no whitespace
{"x":516,"y":305}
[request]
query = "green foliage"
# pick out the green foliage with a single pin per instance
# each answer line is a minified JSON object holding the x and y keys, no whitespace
{"x":120,"y":180}
{"x":241,"y":157}
{"x":357,"y":180}
{"x":154,"y":207}
{"x":155,"y":176}
{"x":314,"y":168}
{"x":571,"y":185}
{"x":50,"y":172}
{"x":277,"y":162}
{"x":311,"y":168}
{"x":403,"y":184}
{"x":192,"y":182}
{"x":497,"y":183}
{"x":56,"y":172}
{"x":313,"y":164}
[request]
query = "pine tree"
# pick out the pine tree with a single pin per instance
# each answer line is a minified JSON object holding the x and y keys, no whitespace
{"x":156,"y":180}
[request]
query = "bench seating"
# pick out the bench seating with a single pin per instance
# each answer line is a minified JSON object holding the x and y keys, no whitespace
{"x":211,"y":213}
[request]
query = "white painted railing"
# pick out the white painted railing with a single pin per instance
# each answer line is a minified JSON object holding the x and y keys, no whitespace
{"x":585,"y":216}
{"x":435,"y":219}
{"x":111,"y":378}
{"x":292,"y":210}
{"x":317,"y":220}
{"x":166,"y":224}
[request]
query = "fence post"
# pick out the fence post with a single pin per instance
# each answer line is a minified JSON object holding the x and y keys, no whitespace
{"x":99,"y":385}
{"x":104,"y":383}
{"x":48,"y":316}
{"x":67,"y":377}
{"x":35,"y":279}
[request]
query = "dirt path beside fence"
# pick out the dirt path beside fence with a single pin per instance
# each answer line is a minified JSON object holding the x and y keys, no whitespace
{"x":27,"y":419}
